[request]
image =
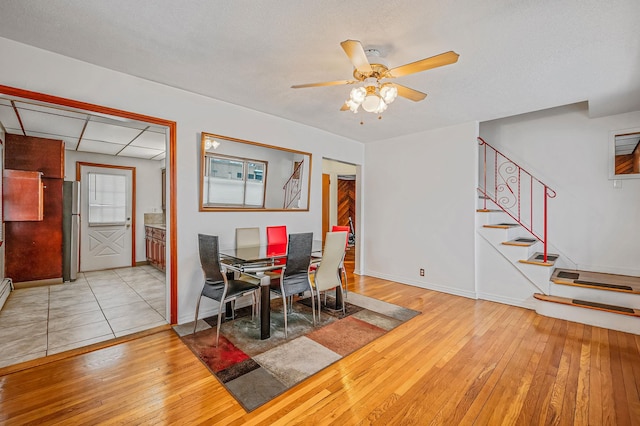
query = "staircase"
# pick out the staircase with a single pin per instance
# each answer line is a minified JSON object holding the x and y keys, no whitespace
{"x":517,"y":265}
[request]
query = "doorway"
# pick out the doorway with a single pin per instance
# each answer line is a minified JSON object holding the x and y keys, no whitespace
{"x":107,"y":206}
{"x":340,"y":204}
{"x":171,"y":142}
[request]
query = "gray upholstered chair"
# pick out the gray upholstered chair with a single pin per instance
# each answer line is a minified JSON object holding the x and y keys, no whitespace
{"x":294,"y":277}
{"x":216,"y":285}
{"x":327,"y":275}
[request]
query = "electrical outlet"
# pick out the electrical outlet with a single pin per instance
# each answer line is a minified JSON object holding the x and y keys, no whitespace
{"x":421,"y":272}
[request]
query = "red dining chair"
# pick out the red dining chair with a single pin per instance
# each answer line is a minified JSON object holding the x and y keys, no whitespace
{"x":343,"y":270}
{"x":277,"y":239}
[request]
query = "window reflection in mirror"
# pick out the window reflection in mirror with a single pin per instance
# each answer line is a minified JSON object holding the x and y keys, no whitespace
{"x":625,"y":150}
{"x":233,"y":182}
{"x":243,"y":175}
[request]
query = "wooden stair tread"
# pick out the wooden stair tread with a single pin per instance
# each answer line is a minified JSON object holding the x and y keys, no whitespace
{"x":521,"y":242}
{"x":597,"y":280}
{"x":587,"y":304}
{"x":501,"y":225}
{"x":537,"y":259}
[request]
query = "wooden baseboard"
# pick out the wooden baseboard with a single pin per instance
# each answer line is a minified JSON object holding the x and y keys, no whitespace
{"x":38,"y":283}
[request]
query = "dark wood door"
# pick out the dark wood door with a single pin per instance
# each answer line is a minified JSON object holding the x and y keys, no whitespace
{"x":346,"y":202}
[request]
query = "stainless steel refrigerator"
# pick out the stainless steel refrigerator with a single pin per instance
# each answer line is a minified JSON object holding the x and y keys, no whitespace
{"x":70,"y":230}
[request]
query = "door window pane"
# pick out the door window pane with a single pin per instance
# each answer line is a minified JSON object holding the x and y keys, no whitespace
{"x":107,"y":199}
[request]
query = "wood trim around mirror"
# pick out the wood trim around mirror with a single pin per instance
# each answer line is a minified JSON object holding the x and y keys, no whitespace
{"x":275,"y":193}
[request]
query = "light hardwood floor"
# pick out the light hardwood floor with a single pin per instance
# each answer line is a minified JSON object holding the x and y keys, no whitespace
{"x":461,"y":361}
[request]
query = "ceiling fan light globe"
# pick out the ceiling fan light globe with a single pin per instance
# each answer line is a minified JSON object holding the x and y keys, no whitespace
{"x":358,"y":94}
{"x":381,"y":107}
{"x":371,"y":103}
{"x":353,"y":106}
{"x":388,"y":92}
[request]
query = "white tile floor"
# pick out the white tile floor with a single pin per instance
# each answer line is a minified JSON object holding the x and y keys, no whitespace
{"x":98,"y":306}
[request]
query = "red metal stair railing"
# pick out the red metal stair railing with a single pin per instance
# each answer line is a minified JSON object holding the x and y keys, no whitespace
{"x":516,"y":191}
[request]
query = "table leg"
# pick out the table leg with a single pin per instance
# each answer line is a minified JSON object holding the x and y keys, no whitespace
{"x":228,"y":311}
{"x":265,"y":307}
{"x":338,"y":299}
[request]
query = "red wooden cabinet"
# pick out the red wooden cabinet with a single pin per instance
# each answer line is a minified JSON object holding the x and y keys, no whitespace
{"x":35,"y":154}
{"x":33,"y":248}
{"x":23,"y":195}
{"x":155,"y":246}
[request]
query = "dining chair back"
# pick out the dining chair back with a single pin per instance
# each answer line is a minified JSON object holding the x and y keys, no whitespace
{"x":337,"y":228}
{"x":216,"y":285}
{"x":247,"y":237}
{"x":327,"y":275}
{"x":294,"y":277}
{"x":343,"y":270}
{"x":276,"y":240}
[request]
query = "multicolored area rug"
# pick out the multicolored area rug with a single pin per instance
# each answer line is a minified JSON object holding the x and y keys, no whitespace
{"x":255,"y":371}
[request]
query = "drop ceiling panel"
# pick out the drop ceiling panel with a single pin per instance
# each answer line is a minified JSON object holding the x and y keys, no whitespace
{"x":110,"y":133}
{"x":69,"y":142}
{"x":38,"y":122}
{"x":50,"y":110}
{"x":140,"y":152}
{"x":99,"y":147}
{"x":118,"y":121}
{"x":151,"y":140}
{"x":8,"y":117}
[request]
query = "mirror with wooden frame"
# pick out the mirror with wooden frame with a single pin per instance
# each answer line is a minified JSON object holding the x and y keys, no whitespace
{"x":624,"y":154}
{"x":240,"y":175}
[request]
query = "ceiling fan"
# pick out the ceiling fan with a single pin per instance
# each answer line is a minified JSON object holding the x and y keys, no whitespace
{"x":374,"y":95}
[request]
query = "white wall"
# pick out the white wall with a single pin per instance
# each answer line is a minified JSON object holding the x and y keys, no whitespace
{"x":419,"y":209}
{"x":148,"y":186}
{"x":41,"y":71}
{"x":590,"y":222}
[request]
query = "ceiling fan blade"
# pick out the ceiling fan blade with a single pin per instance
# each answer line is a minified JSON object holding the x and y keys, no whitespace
{"x":355,"y":52}
{"x":409,"y":93}
{"x":425,"y":64}
{"x":344,"y":107}
{"x":326,"y":83}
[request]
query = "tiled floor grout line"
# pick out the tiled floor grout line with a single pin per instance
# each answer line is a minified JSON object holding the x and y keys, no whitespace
{"x":100,"y":306}
{"x":54,"y":297}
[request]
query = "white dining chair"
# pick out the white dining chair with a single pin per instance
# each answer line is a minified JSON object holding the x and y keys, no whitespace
{"x":327,"y":275}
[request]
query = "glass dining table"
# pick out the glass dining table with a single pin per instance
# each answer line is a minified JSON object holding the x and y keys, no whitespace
{"x":255,"y":261}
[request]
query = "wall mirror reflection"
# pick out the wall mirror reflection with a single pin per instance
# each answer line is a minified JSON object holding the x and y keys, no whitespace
{"x":243,"y":175}
{"x":625,"y":154}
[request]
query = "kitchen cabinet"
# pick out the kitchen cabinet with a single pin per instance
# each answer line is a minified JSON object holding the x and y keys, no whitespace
{"x":35,"y":154}
{"x":156,"y":246}
{"x":33,"y":249}
{"x":23,"y":195}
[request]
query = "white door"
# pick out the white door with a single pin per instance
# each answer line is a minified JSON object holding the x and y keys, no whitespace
{"x":105,"y":217}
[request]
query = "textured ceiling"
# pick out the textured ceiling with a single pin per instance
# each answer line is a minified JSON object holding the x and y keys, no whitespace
{"x":515,"y":56}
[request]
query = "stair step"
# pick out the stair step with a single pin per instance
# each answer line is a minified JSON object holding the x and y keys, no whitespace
{"x":597,"y":280}
{"x":488,"y":210}
{"x":502,"y":225}
{"x":538,"y":259}
{"x":590,"y":305}
{"x":521,"y":242}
